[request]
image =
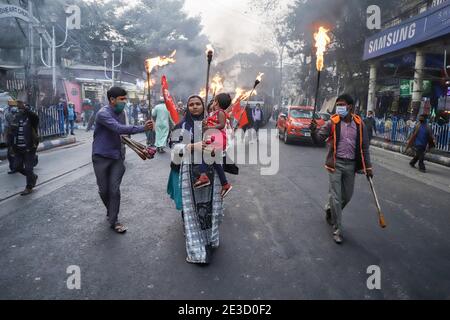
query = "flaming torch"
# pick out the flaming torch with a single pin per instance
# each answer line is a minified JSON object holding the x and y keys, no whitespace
{"x":322,"y":40}
{"x":247,"y":95}
{"x":257,"y":82}
{"x":152,"y":63}
{"x":217,"y":85}
{"x":209,"y":55}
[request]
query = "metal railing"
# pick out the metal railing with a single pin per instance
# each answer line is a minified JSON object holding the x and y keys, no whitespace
{"x":400,"y":131}
{"x":51,"y":122}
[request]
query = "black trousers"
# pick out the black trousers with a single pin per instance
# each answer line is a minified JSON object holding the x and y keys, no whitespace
{"x":24,"y":163}
{"x":109,"y":174}
{"x":420,"y":157}
{"x":10,"y":156}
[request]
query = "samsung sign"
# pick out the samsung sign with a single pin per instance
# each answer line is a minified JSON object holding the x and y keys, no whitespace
{"x":429,"y":25}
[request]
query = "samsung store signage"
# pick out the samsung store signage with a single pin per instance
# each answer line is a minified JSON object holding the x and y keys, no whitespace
{"x":433,"y":23}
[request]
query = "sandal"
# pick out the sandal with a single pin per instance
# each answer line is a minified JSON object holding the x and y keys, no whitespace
{"x":119,"y":228}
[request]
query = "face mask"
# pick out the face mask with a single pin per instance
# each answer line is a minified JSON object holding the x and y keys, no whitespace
{"x":120,"y":106}
{"x":342,"y":111}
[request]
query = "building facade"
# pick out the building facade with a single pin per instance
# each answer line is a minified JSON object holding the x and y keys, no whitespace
{"x":409,"y":69}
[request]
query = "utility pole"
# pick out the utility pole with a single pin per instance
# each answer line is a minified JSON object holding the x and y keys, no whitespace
{"x":31,"y":87}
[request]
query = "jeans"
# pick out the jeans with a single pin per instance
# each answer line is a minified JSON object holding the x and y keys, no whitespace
{"x":70,"y":123}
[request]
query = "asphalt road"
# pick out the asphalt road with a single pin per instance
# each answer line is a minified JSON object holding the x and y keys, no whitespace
{"x":275,"y":243}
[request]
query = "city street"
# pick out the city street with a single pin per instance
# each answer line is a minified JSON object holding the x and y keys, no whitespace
{"x":275,"y":242}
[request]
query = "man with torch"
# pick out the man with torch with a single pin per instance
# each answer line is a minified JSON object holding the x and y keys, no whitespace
{"x":108,"y":152}
{"x":348,"y":151}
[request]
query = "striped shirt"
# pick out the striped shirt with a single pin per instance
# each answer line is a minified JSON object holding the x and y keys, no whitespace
{"x":21,"y":135}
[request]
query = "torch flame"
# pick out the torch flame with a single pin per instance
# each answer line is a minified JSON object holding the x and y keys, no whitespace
{"x":322,"y":40}
{"x":150,"y":64}
{"x":202,"y":93}
{"x":209,"y":49}
{"x":241,"y":94}
{"x":217,"y":84}
{"x":259,"y":77}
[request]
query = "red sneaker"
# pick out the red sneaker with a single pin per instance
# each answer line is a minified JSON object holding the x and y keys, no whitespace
{"x":203,"y":181}
{"x":226,"y":190}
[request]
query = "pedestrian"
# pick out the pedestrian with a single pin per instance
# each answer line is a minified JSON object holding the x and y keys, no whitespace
{"x":25,"y":140}
{"x":71,"y":118}
{"x":61,"y":107}
{"x":371,"y":124}
{"x":88,"y":109}
{"x":180,"y":109}
{"x":135,"y":114}
{"x":201,"y":209}
{"x":348,"y":154}
{"x":162,"y":125}
{"x":10,"y":113}
{"x":108,"y":152}
{"x":97,"y":107}
{"x":257,"y":115}
{"x":421,"y":141}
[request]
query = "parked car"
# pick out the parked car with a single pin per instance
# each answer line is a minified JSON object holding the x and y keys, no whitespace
{"x":294,"y":122}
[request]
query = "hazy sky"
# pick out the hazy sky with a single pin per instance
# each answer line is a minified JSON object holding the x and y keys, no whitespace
{"x":230,"y":24}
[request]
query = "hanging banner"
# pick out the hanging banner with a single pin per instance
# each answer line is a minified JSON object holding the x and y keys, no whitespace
{"x":8,"y":11}
{"x":73,"y":94}
{"x":407,"y":87}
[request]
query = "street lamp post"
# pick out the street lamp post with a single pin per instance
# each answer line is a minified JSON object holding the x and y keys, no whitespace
{"x":113,"y":63}
{"x":51,"y":41}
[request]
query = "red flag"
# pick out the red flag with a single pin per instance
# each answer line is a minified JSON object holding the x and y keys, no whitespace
{"x":240,"y":114}
{"x":236,"y":110}
{"x":170,"y":105}
{"x":244,"y":119}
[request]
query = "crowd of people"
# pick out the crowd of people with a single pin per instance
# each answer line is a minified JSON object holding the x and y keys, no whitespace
{"x":198,"y":188}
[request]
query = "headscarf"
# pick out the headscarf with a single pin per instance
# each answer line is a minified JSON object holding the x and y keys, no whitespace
{"x":189,"y":120}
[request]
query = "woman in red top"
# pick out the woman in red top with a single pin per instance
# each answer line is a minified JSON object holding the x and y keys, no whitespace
{"x":217,"y":121}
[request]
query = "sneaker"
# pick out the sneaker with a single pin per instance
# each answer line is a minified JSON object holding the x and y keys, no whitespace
{"x":422,"y":170}
{"x":337,"y":237}
{"x":328,"y":217}
{"x":203,"y":181}
{"x":26,"y":192}
{"x":12,"y":172}
{"x":226,"y":190}
{"x":412,"y":165}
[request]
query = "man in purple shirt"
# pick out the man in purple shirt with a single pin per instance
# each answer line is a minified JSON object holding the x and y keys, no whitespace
{"x":108,"y":152}
{"x":348,"y":154}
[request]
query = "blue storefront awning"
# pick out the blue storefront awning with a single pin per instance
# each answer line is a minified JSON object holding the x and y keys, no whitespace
{"x":431,"y":24}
